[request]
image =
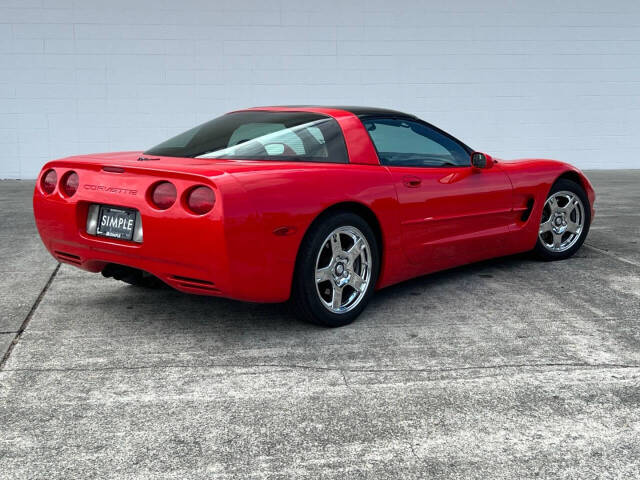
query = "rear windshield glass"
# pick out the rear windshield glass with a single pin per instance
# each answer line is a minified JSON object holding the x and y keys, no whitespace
{"x":260,"y":135}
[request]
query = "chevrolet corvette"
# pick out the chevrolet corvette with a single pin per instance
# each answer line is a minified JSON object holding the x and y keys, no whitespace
{"x":317,"y":205}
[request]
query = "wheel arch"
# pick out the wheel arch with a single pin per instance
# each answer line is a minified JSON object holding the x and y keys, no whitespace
{"x":578,"y":177}
{"x":574,"y":177}
{"x":357,"y":208}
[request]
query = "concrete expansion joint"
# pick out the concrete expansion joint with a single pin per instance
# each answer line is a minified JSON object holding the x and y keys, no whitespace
{"x":611,"y":255}
{"x":342,"y":370}
{"x":27,"y":319}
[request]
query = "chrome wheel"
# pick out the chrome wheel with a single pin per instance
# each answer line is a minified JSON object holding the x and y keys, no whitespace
{"x":343,"y":269}
{"x":562,"y":223}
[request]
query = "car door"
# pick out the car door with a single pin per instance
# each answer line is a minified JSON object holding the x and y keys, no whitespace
{"x":449,"y":212}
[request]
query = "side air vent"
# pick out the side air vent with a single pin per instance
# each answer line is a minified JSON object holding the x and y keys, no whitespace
{"x":196,"y":283}
{"x":527,"y":211}
{"x":68,"y":258}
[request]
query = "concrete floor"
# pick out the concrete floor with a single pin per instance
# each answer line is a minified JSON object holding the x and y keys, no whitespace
{"x":506,"y":369}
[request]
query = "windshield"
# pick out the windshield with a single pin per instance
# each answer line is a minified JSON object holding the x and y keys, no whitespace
{"x":261,"y":135}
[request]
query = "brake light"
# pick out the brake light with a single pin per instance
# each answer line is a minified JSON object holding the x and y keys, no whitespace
{"x":164,"y":195}
{"x":200,"y":200}
{"x":70,"y":183}
{"x":49,"y":181}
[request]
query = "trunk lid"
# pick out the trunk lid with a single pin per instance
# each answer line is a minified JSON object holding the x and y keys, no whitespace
{"x":136,"y":161}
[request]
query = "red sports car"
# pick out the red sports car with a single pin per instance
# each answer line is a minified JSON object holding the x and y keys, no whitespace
{"x":320,"y":205}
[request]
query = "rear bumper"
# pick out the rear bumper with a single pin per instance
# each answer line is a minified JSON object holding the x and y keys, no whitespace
{"x":184,"y":251}
{"x":181,"y":276}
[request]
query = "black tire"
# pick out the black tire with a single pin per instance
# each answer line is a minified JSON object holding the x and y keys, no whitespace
{"x":305,"y":296}
{"x":564,"y":184}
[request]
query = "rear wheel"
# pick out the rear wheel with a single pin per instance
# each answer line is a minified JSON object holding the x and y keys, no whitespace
{"x":337,"y":270}
{"x":565,"y":221}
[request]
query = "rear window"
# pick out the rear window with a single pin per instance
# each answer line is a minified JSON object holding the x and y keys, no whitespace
{"x":261,"y":135}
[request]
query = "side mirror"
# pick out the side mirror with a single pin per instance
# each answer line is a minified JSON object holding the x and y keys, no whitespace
{"x":481,"y":160}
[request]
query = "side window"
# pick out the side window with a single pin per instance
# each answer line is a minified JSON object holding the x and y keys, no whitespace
{"x":406,"y":143}
{"x":281,"y":138}
{"x":261,"y":135}
{"x":249,"y":131}
{"x":276,"y":140}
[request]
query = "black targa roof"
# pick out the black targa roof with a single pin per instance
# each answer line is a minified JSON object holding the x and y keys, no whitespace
{"x":359,"y":111}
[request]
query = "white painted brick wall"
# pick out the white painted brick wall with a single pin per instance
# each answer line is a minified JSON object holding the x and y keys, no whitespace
{"x":546,"y":78}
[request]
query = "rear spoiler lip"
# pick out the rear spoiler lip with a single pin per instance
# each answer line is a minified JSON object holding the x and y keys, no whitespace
{"x":115,"y":167}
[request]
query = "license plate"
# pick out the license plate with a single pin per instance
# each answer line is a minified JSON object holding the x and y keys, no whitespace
{"x":116,"y":222}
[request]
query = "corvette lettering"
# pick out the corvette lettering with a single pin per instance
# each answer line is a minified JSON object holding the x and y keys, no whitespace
{"x":103,"y":188}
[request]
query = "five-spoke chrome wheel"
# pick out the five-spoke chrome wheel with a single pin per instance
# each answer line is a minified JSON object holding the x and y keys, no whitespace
{"x":562,"y":223}
{"x":343,"y":269}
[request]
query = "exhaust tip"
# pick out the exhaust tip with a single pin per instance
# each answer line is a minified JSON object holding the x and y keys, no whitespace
{"x":130,"y":275}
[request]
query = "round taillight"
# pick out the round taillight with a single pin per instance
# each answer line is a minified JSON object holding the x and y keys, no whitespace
{"x":200,"y":200}
{"x":70,"y":184}
{"x":49,"y":181}
{"x":164,"y":195}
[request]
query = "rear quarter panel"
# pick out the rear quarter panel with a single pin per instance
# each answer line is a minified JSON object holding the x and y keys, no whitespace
{"x":292,"y":198}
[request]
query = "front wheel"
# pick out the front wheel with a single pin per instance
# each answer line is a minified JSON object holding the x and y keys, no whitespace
{"x":337,"y":270}
{"x":565,"y":221}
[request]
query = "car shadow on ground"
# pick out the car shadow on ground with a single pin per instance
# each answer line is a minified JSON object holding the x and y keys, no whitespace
{"x":188,"y":310}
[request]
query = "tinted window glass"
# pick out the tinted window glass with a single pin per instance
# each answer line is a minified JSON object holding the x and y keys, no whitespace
{"x":261,"y":135}
{"x":401,"y":142}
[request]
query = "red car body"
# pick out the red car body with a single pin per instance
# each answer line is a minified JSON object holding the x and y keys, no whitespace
{"x":427,"y":219}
